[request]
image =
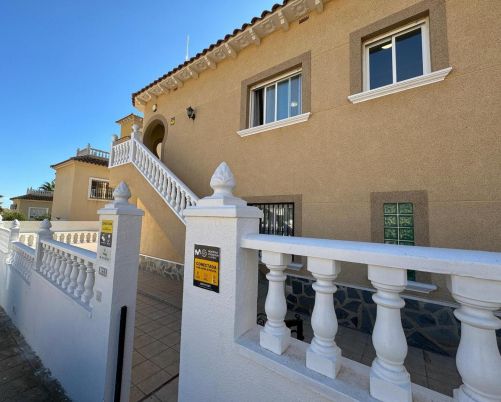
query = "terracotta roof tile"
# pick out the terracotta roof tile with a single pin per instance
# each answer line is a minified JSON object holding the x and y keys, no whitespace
{"x":86,"y":159}
{"x":212,"y":46}
{"x":34,"y":197}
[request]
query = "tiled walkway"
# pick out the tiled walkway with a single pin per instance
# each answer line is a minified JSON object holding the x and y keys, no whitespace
{"x":157,"y":336}
{"x":22,"y":376}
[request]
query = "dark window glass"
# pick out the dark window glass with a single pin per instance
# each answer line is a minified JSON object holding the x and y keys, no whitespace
{"x":258,"y":105}
{"x":380,"y":65}
{"x":409,"y":55}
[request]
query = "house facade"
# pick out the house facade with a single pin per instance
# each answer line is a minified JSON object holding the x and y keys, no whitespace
{"x":34,"y":205}
{"x":82,"y":185}
{"x":349,"y":120}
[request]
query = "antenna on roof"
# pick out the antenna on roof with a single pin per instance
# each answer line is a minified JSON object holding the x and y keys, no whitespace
{"x":187,"y":47}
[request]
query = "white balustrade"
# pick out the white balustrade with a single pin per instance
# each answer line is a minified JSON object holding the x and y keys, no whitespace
{"x":275,"y":336}
{"x":474,"y":279}
{"x":170,"y":188}
{"x":69,"y":268}
{"x":323,"y":355}
{"x":68,"y":237}
{"x":22,"y":259}
{"x":389,"y":379}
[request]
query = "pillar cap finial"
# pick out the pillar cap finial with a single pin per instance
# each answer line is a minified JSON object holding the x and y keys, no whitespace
{"x":121,"y":194}
{"x":15,"y":224}
{"x":223,"y":181}
{"x":135,"y":131}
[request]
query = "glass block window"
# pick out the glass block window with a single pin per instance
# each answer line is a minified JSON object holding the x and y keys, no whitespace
{"x":399,"y":226}
{"x":397,"y":56}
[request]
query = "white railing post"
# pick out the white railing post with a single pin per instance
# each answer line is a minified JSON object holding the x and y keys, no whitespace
{"x":225,"y":312}
{"x":323,"y":355}
{"x":477,"y":359}
{"x":13,"y":237}
{"x":389,"y":380}
{"x":275,"y":336}
{"x":117,"y":264}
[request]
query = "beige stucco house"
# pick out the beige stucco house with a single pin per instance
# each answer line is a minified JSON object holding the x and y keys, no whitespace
{"x":352,"y":120}
{"x":34,"y":205}
{"x":82,"y":185}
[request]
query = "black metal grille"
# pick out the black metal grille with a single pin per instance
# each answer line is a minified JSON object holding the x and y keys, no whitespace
{"x":101,"y":190}
{"x":278,"y":218}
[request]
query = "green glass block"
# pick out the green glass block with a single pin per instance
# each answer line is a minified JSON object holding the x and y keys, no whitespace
{"x":406,"y":243}
{"x":390,"y":221}
{"x":406,"y":234}
{"x":390,"y":208}
{"x":411,"y":275}
{"x":391,"y":242}
{"x":405,"y":208}
{"x":391,"y":234}
{"x":405,"y":221}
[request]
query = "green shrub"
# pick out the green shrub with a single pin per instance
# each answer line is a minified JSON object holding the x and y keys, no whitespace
{"x":8,"y":215}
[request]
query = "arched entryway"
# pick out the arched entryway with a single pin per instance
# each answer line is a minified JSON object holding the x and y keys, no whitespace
{"x":154,"y":136}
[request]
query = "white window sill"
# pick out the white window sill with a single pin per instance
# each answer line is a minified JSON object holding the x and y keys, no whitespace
{"x":276,"y":124}
{"x":420,"y":287}
{"x":415,"y":82}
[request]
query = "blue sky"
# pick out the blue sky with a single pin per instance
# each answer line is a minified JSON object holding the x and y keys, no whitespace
{"x":68,"y":68}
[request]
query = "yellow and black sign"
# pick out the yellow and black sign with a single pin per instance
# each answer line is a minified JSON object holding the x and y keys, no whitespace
{"x":106,"y":233}
{"x":206,"y":267}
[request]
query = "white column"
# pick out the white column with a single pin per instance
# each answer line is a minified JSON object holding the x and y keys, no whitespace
{"x":477,"y":359}
{"x":118,"y":288}
{"x":80,"y":278}
{"x":221,"y":221}
{"x":89,"y":283}
{"x":73,"y":276}
{"x":389,"y":380}
{"x":275,"y":336}
{"x":323,"y":355}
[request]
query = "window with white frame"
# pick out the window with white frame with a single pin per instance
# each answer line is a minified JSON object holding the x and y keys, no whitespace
{"x":37,"y":212}
{"x":100,"y":189}
{"x":276,"y":99}
{"x":397,"y":56}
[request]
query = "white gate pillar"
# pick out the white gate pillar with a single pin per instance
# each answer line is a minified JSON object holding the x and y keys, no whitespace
{"x":117,"y":267}
{"x":219,"y":304}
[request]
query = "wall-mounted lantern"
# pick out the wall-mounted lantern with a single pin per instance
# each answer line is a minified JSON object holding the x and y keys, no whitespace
{"x":190,"y":112}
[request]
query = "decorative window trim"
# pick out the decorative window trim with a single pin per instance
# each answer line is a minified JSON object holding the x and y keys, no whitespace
{"x":415,"y":82}
{"x":302,"y":62}
{"x":89,"y":189}
{"x":434,"y":10}
{"x":300,"y":118}
{"x":30,"y":208}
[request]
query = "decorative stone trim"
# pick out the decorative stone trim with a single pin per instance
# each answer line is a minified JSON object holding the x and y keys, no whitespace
{"x":276,"y":124}
{"x":415,"y":82}
{"x":168,"y":269}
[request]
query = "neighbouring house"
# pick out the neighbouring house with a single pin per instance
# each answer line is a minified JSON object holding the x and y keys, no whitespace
{"x":34,"y":205}
{"x":82,"y":185}
{"x":369,"y":121}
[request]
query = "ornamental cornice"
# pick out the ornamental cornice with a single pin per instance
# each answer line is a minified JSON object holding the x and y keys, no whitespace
{"x":279,"y":19}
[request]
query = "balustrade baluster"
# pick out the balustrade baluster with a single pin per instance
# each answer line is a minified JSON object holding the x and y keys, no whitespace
{"x":62,"y":267}
{"x":168,"y":194}
{"x":74,"y":275}
{"x":67,"y":272}
{"x":478,"y":359}
{"x":275,"y":336}
{"x":183,"y":201}
{"x":323,"y":355}
{"x":43,"y":259}
{"x":389,"y":380}
{"x":178,"y":198}
{"x":89,"y":283}
{"x":82,"y":274}
{"x":57,"y":264}
{"x":48,"y":262}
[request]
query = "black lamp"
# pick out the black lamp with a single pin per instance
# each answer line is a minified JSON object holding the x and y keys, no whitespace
{"x":190,"y":112}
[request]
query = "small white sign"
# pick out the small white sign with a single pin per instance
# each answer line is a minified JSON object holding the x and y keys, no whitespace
{"x":103,"y":271}
{"x":104,"y":253}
